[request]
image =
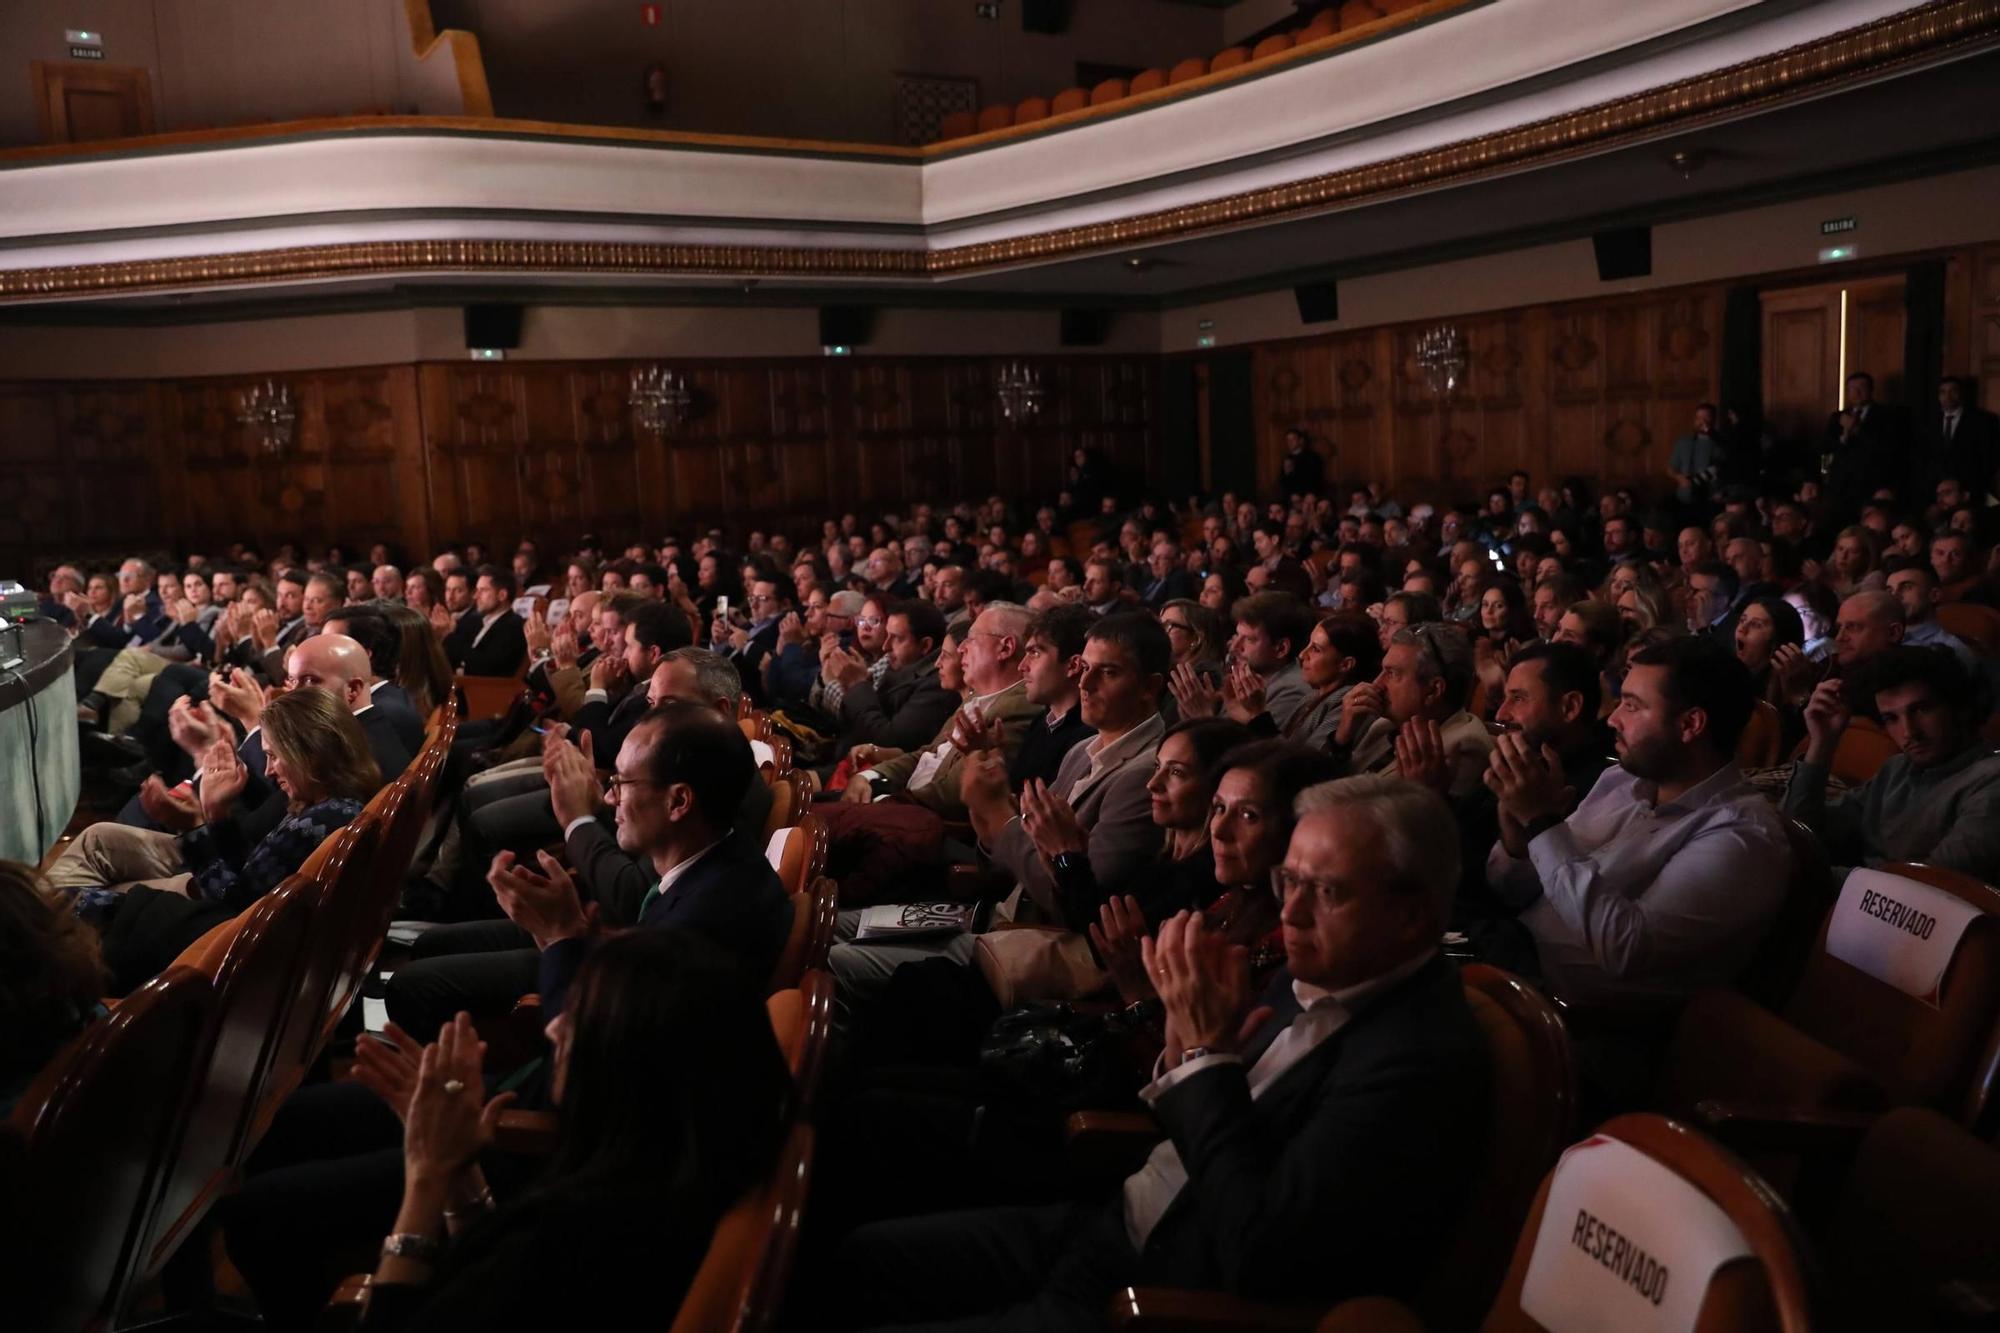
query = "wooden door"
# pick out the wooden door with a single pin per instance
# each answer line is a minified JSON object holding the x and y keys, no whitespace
{"x":1814,"y":337}
{"x":79,"y":102}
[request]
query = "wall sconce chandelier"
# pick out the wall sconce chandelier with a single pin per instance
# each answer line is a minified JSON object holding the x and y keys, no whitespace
{"x":1441,"y":356}
{"x":660,"y":399}
{"x":1019,"y":388}
{"x":268,"y":409}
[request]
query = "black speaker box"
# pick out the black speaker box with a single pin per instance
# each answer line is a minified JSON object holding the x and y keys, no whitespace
{"x":846,"y":325}
{"x":1049,"y":16}
{"x":493,"y":326}
{"x":1318,"y":301}
{"x":1625,"y":253}
{"x":1085,"y":328}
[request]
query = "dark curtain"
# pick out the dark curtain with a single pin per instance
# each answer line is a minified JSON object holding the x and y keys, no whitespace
{"x":1232,"y":424}
{"x":1923,"y":344}
{"x":1742,"y":386}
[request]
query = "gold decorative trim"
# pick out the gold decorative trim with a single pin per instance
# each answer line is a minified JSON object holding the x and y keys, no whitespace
{"x":378,"y":258}
{"x":1856,"y":54}
{"x":1814,"y":67}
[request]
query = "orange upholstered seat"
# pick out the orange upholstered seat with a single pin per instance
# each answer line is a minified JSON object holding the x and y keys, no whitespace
{"x":1111,"y":90}
{"x":1324,"y":24}
{"x":1069,"y":99}
{"x":1031,"y":109}
{"x":1356,"y":13}
{"x":1272,"y":45}
{"x":1191,"y":68}
{"x":1228,"y":58}
{"x":995,"y":118}
{"x":957,"y":125}
{"x":1146,"y":80}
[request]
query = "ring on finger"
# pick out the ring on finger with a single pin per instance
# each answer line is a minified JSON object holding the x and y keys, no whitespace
{"x":454,"y":1085}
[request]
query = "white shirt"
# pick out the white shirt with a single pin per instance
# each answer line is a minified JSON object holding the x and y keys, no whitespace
{"x":931,"y":760}
{"x":487,"y":624}
{"x":1152,"y":1189}
{"x":1631,"y":896}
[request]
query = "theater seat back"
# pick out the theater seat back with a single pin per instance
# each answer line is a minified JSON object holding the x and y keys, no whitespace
{"x":741,"y":1281}
{"x":88,"y":1144}
{"x":1769,"y":1292}
{"x":1531,"y":1116}
{"x":1930,"y":1055}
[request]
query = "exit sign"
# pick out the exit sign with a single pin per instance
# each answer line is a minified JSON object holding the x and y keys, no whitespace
{"x":986,"y":9}
{"x":1834,"y":226}
{"x":86,"y":53}
{"x":649,"y":15}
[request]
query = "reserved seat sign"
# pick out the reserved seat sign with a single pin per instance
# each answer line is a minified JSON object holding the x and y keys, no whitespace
{"x":1903,"y":932}
{"x":1625,"y":1245}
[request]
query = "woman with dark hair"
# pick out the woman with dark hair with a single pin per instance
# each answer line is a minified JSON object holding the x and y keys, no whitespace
{"x":51,"y":976}
{"x":1222,"y":589}
{"x":1183,"y":781}
{"x":650,"y":1153}
{"x":423,"y":588}
{"x":1505,"y":625}
{"x":1199,"y":635}
{"x":716,"y":578}
{"x":1764,"y":626}
{"x":422,"y":669}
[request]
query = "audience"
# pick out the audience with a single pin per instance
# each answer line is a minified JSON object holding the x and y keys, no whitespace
{"x":1051,"y":718}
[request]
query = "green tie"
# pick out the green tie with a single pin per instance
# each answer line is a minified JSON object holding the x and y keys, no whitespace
{"x":651,"y":894}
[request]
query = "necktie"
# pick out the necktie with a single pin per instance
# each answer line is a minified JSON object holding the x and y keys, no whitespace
{"x":651,"y":894}
{"x":1950,"y":424}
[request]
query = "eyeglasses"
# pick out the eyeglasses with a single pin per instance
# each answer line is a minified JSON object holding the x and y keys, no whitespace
{"x":1181,"y":625}
{"x":870,"y":621}
{"x":617,"y":782}
{"x":1323,"y":893}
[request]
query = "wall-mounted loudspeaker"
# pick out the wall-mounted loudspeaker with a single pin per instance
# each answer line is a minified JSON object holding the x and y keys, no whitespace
{"x":1318,"y":301}
{"x":846,"y":325}
{"x":1085,"y":328}
{"x":1625,"y":253}
{"x":1049,"y":16}
{"x":493,"y":326}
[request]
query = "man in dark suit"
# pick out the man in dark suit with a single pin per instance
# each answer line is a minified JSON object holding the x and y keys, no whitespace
{"x":906,"y":710}
{"x":678,"y":783}
{"x":1965,"y":446}
{"x":484,"y":966}
{"x":382,"y":640}
{"x":137,"y":616}
{"x":1317,"y":1145}
{"x":772,"y":598}
{"x":1167,"y":579}
{"x":1301,"y":471}
{"x":489,"y":640}
{"x":1865,"y":441}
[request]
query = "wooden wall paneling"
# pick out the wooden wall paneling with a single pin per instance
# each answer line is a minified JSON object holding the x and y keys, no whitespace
{"x":41,"y":514}
{"x":1109,"y":407}
{"x":798,"y":408}
{"x":985,"y":452}
{"x":1876,"y":320}
{"x":612,"y":494}
{"x":1575,"y":368}
{"x":1982,"y":342}
{"x":878,"y":402}
{"x":476,"y":429}
{"x":358,"y":485}
{"x":1801,"y":358}
{"x":110,"y":439}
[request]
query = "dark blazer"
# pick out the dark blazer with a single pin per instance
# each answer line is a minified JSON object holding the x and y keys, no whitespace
{"x":731,"y":895}
{"x":1042,"y":749}
{"x":616,"y":880}
{"x":1302,"y":473}
{"x":107,"y":632}
{"x":1343,"y":1178}
{"x":1872,"y":459}
{"x":1969,"y":456}
{"x":750,"y":663}
{"x":905,"y":712}
{"x":395,"y":705}
{"x":500,"y":653}
{"x":609,"y":724}
{"x":1156,"y":593}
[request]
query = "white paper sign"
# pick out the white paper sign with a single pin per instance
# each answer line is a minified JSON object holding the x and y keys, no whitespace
{"x":1900,"y":931}
{"x":1625,"y":1246}
{"x":774,"y":850}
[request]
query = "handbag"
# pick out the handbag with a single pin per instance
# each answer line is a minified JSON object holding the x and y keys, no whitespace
{"x":1023,"y":964}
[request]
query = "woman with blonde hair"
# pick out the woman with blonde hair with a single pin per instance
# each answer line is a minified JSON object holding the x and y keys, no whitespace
{"x":257,"y":830}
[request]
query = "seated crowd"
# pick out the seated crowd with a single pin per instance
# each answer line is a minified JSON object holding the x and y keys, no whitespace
{"x":1258,"y":777}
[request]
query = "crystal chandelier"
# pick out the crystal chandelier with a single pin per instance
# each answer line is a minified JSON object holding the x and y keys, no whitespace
{"x":659,"y":399}
{"x":1441,"y":356}
{"x":267,"y":408}
{"x":1020,"y":390}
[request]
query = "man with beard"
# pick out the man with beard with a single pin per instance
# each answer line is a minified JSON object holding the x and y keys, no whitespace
{"x":1668,"y":874}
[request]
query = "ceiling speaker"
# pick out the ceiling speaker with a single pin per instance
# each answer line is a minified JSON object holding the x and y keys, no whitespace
{"x":1625,"y":253}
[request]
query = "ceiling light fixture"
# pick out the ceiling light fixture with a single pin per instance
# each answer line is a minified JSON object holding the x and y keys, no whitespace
{"x":1441,"y":356}
{"x":1019,"y":387}
{"x":659,"y":399}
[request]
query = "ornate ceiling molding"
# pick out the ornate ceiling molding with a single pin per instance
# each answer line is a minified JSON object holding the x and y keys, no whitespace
{"x":1857,"y":55}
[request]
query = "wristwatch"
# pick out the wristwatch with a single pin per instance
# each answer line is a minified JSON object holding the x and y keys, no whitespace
{"x":1069,"y":863}
{"x":1194,"y":1053}
{"x":410,"y":1245}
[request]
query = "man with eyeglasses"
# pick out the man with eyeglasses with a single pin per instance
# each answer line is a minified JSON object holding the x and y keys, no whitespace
{"x":1422,"y":689}
{"x":1319,"y":1137}
{"x":771,"y":599}
{"x":676,"y":786}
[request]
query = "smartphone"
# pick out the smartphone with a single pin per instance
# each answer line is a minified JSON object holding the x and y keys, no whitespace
{"x":722,"y":608}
